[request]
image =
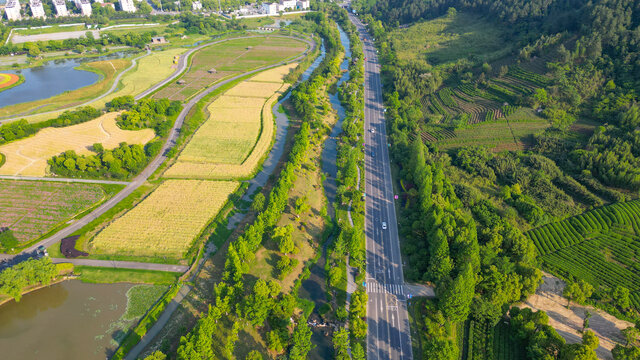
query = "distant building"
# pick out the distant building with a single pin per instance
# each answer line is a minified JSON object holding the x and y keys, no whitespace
{"x":61,"y":7}
{"x":196,"y":5}
{"x":37,"y":11}
{"x":99,"y":1}
{"x":287,"y":4}
{"x":302,"y":4}
{"x":158,"y":40}
{"x":12,"y":9}
{"x":270,"y":8}
{"x":84,"y":6}
{"x":127,"y":5}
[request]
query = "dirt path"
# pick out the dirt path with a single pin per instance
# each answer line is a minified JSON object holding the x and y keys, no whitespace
{"x":568,"y":322}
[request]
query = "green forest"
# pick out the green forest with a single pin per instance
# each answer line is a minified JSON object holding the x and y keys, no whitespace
{"x":513,"y":128}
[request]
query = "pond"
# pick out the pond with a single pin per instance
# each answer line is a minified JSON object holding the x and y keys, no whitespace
{"x":70,"y":320}
{"x":51,"y":79}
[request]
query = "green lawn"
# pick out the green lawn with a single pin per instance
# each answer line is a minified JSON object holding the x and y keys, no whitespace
{"x":446,"y":40}
{"x":100,"y":275}
{"x":49,"y":30}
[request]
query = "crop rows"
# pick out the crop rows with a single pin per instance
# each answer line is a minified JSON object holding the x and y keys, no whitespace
{"x":446,"y":96}
{"x":166,"y":222}
{"x":504,"y":346}
{"x":600,"y":246}
{"x":509,"y":109}
{"x":520,"y":73}
{"x":525,"y":90}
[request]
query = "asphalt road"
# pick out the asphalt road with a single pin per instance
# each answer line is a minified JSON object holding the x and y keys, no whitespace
{"x":389,"y":336}
{"x":158,"y":160}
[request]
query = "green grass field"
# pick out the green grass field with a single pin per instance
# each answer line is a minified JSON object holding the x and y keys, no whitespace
{"x":447,"y":40}
{"x":49,"y":30}
{"x":222,"y":60}
{"x":100,"y":275}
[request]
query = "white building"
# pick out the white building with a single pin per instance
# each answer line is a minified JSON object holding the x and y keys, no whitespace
{"x":196,"y":5}
{"x":99,"y":1}
{"x":270,"y":8}
{"x":37,"y":11}
{"x":12,"y":9}
{"x":61,"y":7}
{"x":84,"y":6}
{"x":302,"y":4}
{"x":127,"y":5}
{"x":287,"y":4}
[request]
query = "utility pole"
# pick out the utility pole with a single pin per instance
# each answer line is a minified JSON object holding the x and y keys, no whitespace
{"x":219,"y":8}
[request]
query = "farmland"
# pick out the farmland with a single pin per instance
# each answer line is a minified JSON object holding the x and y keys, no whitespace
{"x":30,"y":209}
{"x":166,"y":222}
{"x":238,"y":132}
{"x":510,"y":134}
{"x":108,"y":69}
{"x":29,"y":156}
{"x":601,"y":247}
{"x":228,"y":58}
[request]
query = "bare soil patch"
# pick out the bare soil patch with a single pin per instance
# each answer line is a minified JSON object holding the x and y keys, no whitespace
{"x":568,"y":322}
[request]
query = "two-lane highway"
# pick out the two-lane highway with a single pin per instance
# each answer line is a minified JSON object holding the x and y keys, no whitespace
{"x":389,"y":336}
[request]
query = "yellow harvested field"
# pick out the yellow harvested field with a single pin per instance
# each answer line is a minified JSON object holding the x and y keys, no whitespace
{"x":275,"y":75}
{"x":254,"y":89}
{"x":238,"y":133}
{"x":29,"y":156}
{"x":167,"y":221}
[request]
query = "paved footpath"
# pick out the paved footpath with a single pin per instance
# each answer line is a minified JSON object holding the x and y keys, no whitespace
{"x":68,"y":180}
{"x":123,"y":264}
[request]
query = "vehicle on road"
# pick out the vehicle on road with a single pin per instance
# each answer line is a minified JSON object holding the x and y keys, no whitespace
{"x":384,"y":225}
{"x":42,"y":251}
{"x":373,"y":130}
{"x":373,"y":154}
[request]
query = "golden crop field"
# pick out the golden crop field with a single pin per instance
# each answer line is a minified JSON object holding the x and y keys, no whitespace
{"x":167,"y":221}
{"x":238,"y":132}
{"x":254,"y":89}
{"x":29,"y":156}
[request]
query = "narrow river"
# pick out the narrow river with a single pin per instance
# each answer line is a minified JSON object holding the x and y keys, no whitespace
{"x":314,"y":288}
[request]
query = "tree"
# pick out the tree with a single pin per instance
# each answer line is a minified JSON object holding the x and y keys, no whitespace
{"x":357,"y":352}
{"x":258,"y":202}
{"x":254,"y":355}
{"x":578,"y":292}
{"x":631,"y":335}
{"x":158,"y":355}
{"x":301,"y":341}
{"x":341,"y":344}
{"x":585,"y":322}
{"x":258,"y":304}
{"x":283,"y":237}
{"x":456,"y":298}
{"x":302,"y":205}
{"x":621,"y":297}
{"x":590,"y":339}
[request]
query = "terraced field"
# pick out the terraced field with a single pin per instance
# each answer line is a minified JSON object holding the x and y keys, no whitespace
{"x":601,"y":246}
{"x":29,"y":156}
{"x":166,"y":222}
{"x":238,"y":132}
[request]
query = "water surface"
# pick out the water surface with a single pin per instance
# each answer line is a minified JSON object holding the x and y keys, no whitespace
{"x":70,"y":320}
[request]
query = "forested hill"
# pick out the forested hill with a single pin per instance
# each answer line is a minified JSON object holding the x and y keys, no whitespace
{"x":606,"y":27}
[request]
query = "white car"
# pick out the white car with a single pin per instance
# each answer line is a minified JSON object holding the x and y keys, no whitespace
{"x":384,"y":225}
{"x":373,"y":130}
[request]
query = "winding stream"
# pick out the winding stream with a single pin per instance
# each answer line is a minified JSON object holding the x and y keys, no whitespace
{"x":314,"y":288}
